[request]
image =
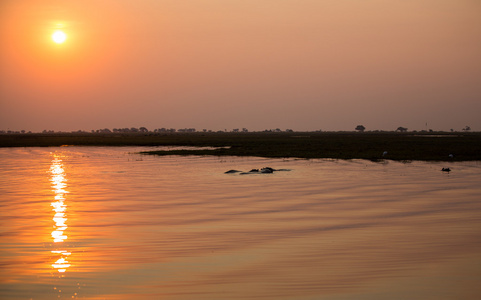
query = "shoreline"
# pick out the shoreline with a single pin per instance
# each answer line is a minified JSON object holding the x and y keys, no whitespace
{"x":436,"y":146}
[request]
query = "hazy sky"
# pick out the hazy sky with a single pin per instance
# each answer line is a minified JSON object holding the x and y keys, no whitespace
{"x":224,"y":64}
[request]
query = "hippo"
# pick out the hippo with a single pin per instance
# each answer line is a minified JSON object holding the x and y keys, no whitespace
{"x":265,"y":170}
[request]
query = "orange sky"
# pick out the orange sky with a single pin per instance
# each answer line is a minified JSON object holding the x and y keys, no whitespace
{"x":217,"y":64}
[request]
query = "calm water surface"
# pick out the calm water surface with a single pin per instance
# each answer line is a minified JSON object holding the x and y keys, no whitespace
{"x":104,"y":223}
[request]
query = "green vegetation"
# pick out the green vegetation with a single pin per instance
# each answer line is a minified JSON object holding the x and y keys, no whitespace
{"x":338,"y":145}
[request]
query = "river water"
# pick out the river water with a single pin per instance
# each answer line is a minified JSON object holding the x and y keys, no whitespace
{"x":107,"y":223}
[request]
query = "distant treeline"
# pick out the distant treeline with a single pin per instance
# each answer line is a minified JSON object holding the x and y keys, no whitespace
{"x":359,"y":128}
{"x":142,"y":130}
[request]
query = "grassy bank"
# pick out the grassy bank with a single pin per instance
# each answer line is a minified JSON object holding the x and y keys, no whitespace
{"x":338,"y":145}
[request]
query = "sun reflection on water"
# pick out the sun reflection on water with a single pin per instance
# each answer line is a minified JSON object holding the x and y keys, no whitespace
{"x":59,"y":206}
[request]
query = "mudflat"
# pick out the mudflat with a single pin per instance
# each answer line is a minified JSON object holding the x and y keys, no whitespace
{"x":437,"y":146}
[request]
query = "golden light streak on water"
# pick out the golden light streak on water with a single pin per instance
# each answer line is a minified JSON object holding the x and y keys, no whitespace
{"x":59,"y":185}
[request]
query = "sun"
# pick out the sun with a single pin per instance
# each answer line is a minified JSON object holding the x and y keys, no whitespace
{"x":59,"y":36}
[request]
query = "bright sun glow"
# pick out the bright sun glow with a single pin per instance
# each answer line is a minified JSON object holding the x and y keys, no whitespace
{"x":59,"y":36}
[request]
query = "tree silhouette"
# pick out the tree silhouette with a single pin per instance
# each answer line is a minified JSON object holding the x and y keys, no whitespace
{"x":360,"y":128}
